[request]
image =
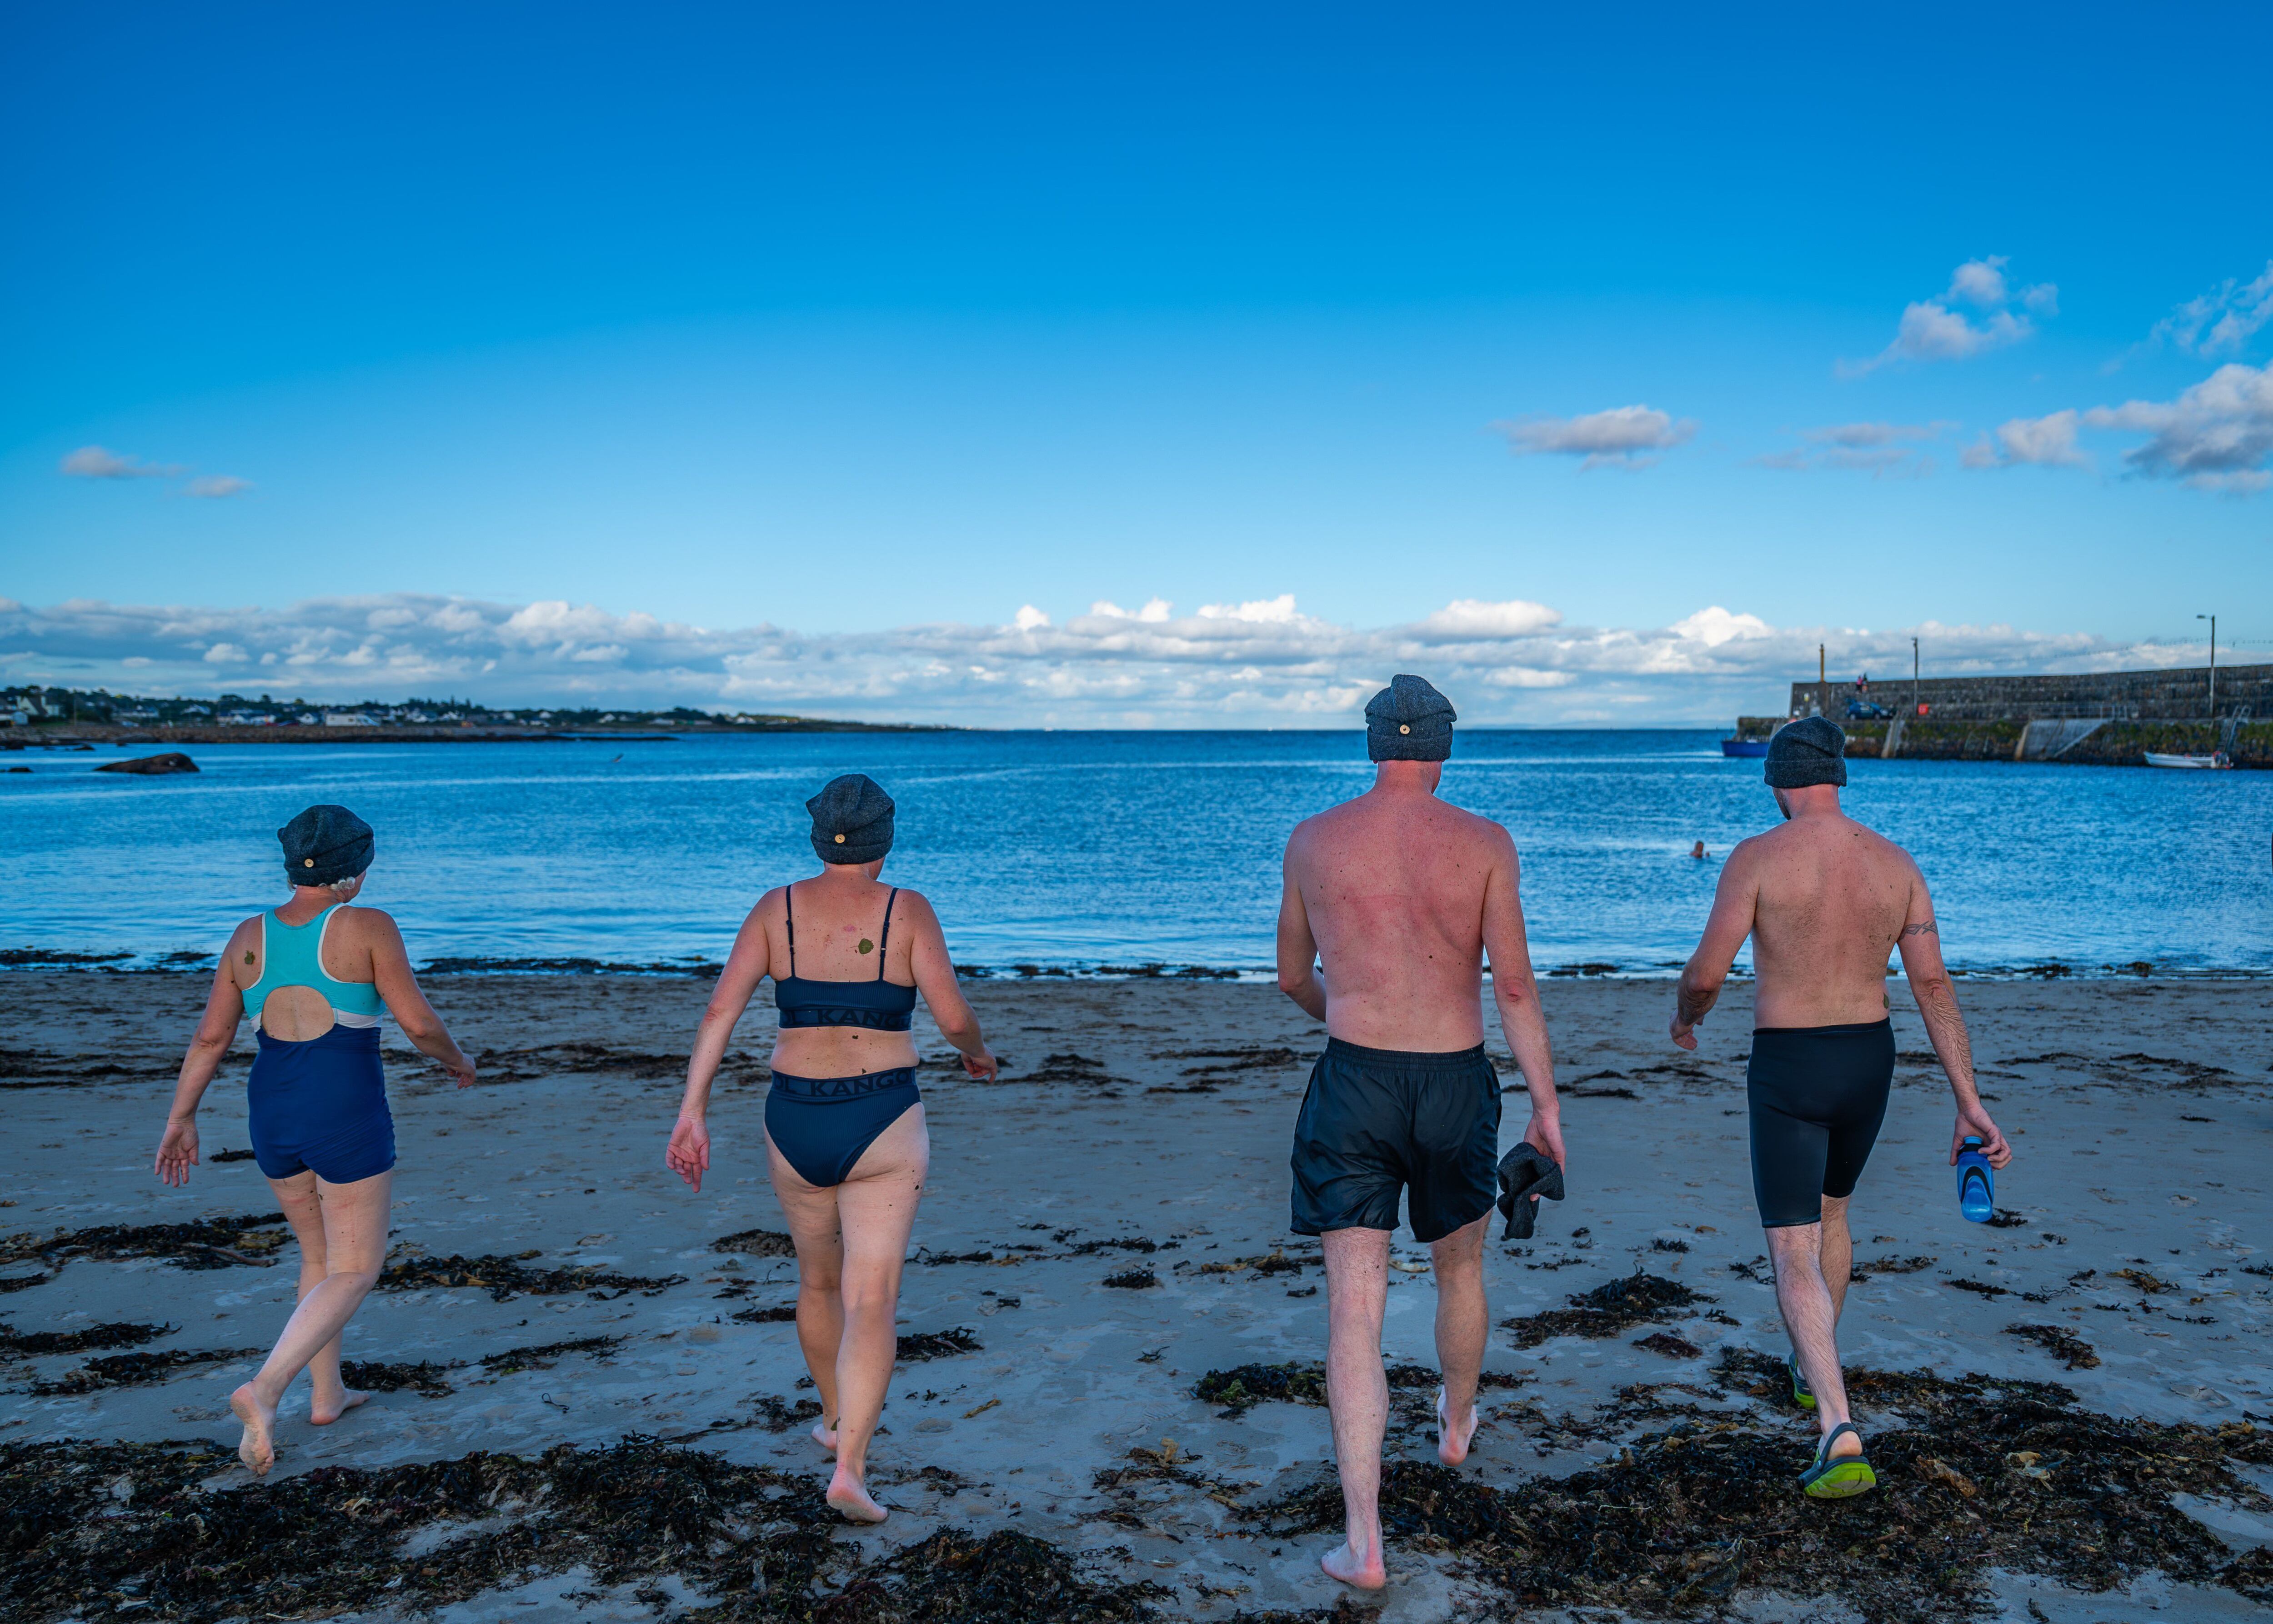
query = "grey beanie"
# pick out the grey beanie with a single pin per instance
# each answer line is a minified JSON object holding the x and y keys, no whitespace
{"x":1810,"y":751}
{"x":1408,"y":721}
{"x":851,"y":819}
{"x":326,"y":843}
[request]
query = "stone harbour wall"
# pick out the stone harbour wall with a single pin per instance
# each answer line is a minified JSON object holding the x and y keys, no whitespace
{"x":2180,"y":692}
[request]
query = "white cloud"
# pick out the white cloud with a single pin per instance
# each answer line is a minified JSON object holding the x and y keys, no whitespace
{"x":95,"y":463}
{"x":2223,"y":320}
{"x":1030,"y":619}
{"x":1262,"y":611}
{"x":2218,"y":436}
{"x":1934,"y":330}
{"x":1466,"y":620}
{"x":2042,"y":442}
{"x":1513,"y":660}
{"x":1880,"y":449}
{"x":216,"y":485}
{"x":1622,"y":437}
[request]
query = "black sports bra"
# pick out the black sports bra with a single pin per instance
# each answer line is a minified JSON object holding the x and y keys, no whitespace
{"x":877,"y":1005}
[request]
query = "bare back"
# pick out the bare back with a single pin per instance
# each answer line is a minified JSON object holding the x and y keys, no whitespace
{"x":1394,"y":889}
{"x":1824,"y":900}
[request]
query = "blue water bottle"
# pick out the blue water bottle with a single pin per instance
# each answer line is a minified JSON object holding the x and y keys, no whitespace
{"x":1976,"y":1189}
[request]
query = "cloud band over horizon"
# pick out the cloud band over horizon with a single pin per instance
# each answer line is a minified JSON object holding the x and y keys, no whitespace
{"x":1261,"y":663}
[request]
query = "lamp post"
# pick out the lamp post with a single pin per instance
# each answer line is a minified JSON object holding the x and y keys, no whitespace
{"x":2213,"y":663}
{"x":1914,"y":679}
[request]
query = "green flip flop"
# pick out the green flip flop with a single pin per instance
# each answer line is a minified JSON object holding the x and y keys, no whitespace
{"x":1830,"y":1478}
{"x":1802,"y":1394}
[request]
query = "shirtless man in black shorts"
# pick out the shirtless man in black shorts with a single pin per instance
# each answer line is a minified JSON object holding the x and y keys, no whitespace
{"x":1402,"y":896}
{"x":1824,"y":899}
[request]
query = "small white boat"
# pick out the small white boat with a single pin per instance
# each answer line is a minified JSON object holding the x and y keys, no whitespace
{"x":2215,"y":759}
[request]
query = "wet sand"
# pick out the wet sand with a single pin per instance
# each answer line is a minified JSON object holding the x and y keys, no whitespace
{"x":1152,"y":1114}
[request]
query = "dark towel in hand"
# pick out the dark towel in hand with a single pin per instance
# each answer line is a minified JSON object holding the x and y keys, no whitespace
{"x":1525,"y":1174}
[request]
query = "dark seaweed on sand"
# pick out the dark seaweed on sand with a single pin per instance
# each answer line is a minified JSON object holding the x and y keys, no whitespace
{"x":1608,"y":1310}
{"x":1689,"y":1516}
{"x":509,"y":1276}
{"x":785,"y":1314}
{"x":230,"y":1155}
{"x":134,"y":1370}
{"x":2069,"y":1348}
{"x":1671,"y":1346}
{"x":200,"y":1243}
{"x":1138,"y":1279}
{"x":582,"y":1058}
{"x":756,"y":1243}
{"x":938,"y":1344}
{"x":1303,"y":1381}
{"x":544,"y":1356}
{"x":108,"y":1533}
{"x":15,"y":1344}
{"x":423,"y":1377}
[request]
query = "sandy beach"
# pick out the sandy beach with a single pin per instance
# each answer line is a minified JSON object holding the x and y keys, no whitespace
{"x":1104,"y":1228}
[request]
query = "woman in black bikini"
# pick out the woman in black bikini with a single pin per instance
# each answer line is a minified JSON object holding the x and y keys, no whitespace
{"x":844,"y":1122}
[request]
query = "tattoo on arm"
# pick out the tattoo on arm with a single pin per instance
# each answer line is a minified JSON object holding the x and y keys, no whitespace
{"x":1922,"y":928}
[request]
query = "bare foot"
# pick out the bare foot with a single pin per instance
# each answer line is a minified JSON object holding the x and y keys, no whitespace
{"x":850,"y":1496}
{"x":257,"y":1449}
{"x":825,"y":1436}
{"x":321,"y":1414}
{"x":1366,"y":1574}
{"x":1452,"y":1442}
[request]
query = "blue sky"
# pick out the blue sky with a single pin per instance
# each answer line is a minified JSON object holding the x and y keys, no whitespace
{"x":770,"y":358}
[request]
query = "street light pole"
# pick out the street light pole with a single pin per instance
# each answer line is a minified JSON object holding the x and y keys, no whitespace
{"x":2213,"y":663}
{"x":1914,"y":679}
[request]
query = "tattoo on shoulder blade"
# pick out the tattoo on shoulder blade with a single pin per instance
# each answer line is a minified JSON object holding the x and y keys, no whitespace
{"x":1922,"y":928}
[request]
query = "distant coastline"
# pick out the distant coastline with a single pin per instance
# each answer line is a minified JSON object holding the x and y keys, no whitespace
{"x":67,"y":734}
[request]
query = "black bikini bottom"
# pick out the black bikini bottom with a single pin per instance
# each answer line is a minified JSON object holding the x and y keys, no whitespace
{"x":822,"y":1125}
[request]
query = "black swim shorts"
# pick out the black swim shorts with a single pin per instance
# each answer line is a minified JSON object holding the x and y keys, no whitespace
{"x":1377,"y":1121}
{"x":1817,"y":1094}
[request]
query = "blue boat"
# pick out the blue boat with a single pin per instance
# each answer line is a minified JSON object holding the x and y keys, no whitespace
{"x":1744,"y":746}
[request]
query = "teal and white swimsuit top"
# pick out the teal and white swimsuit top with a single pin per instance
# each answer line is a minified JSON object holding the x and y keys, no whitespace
{"x":292,"y":955}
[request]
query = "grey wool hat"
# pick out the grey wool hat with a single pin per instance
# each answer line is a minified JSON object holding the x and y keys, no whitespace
{"x":851,"y":819}
{"x":1810,"y":751}
{"x":1408,"y":721}
{"x":326,"y":843}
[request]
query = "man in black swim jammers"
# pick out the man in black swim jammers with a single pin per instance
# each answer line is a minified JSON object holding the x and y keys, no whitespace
{"x":1401,"y":896}
{"x":1825,"y":901}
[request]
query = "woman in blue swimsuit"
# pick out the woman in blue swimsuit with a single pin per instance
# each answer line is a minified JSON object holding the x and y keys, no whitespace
{"x":844,"y":1122}
{"x":314,"y":975}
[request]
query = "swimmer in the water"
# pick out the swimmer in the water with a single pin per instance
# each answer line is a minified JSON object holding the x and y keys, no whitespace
{"x":845,"y":1123}
{"x":314,"y":975}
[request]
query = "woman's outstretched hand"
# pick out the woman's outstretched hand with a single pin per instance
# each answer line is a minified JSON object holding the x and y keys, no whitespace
{"x":177,"y":1152}
{"x":983,"y":1065}
{"x":689,"y":1156}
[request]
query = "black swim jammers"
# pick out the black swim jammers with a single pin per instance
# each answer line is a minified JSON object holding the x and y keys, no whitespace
{"x":1817,"y":1094}
{"x":1376,"y":1122}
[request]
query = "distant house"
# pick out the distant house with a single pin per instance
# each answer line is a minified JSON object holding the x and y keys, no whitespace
{"x":196,"y":710}
{"x":16,"y":718}
{"x":347,"y":719}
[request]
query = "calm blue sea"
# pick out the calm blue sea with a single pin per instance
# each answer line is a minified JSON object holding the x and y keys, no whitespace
{"x":1084,"y":849}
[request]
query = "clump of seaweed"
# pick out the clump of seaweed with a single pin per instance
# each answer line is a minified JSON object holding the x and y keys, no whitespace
{"x":1138,"y":1279}
{"x":15,"y":1344}
{"x":1111,"y":1243}
{"x":503,"y":1277}
{"x":1277,"y":1262}
{"x":1890,"y":1266}
{"x":756,"y":1243}
{"x":198,"y":1243}
{"x":108,"y":1533}
{"x":544,"y":1356}
{"x":1297,"y":1381}
{"x":1671,"y":1346}
{"x":2069,"y":1348}
{"x":937,"y":1344}
{"x":135,"y":1370}
{"x":423,"y":1377}
{"x":1608,"y":1310}
{"x":1068,"y":1068}
{"x":1688,"y":1516}
{"x":785,"y":1314}
{"x":223,"y":1156}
